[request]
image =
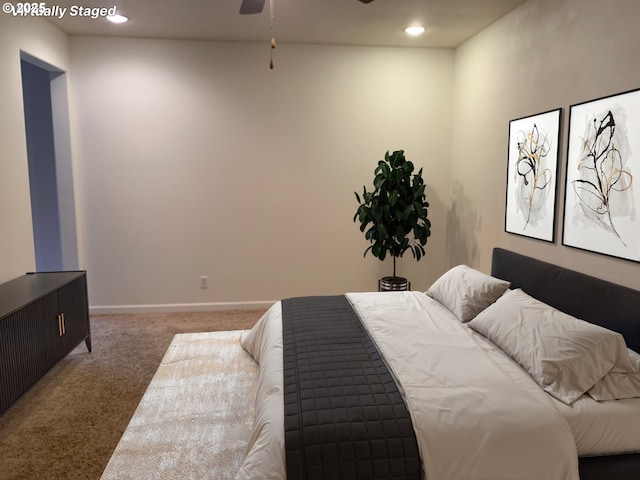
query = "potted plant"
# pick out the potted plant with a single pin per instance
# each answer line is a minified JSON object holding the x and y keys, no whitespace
{"x":393,"y":217}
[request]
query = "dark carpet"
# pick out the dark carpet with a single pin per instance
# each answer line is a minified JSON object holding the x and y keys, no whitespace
{"x":68,"y":424}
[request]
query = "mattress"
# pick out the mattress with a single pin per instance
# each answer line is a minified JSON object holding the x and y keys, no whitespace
{"x":398,"y":332}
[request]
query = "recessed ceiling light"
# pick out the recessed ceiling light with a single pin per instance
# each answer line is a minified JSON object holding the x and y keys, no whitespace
{"x":117,"y":18}
{"x":414,"y":30}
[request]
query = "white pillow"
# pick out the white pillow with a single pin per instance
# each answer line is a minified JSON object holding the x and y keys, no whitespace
{"x":466,"y":292}
{"x":564,"y":355}
{"x":621,"y":382}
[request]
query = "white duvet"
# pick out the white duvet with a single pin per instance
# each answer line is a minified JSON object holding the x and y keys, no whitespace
{"x":472,"y":421}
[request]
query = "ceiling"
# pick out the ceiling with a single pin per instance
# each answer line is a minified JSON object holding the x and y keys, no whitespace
{"x":346,"y":22}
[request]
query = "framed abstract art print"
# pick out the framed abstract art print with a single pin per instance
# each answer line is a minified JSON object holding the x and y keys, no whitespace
{"x":602,"y":194}
{"x":532,"y":175}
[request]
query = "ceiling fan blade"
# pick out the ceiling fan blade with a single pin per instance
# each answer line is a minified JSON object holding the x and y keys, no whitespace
{"x":366,"y":1}
{"x":249,"y":7}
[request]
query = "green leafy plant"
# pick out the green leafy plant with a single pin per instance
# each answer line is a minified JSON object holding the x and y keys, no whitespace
{"x":393,"y":217}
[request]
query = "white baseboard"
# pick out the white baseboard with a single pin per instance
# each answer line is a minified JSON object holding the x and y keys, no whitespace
{"x":179,"y":307}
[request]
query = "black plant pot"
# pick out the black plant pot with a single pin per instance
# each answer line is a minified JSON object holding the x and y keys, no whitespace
{"x":393,"y":284}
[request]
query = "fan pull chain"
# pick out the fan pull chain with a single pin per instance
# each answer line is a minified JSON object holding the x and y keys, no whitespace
{"x":273,"y":39}
{"x":273,"y":45}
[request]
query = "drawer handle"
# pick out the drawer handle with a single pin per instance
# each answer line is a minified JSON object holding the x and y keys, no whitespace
{"x":59,"y":325}
{"x":63,"y":328}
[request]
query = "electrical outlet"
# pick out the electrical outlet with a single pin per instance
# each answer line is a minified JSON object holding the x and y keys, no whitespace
{"x":204,"y":282}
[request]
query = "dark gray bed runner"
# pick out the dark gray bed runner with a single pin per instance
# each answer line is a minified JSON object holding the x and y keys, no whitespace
{"x":344,"y":417}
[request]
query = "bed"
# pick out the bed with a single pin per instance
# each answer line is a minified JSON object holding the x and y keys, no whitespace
{"x":475,"y":411}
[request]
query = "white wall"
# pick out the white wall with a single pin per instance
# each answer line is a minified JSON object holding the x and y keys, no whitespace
{"x":44,"y":41}
{"x":195,"y":159}
{"x":545,"y":54}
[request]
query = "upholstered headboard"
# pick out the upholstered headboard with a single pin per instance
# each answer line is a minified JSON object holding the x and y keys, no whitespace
{"x":589,"y":298}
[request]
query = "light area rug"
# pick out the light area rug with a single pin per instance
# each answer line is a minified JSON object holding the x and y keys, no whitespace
{"x":195,"y":417}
